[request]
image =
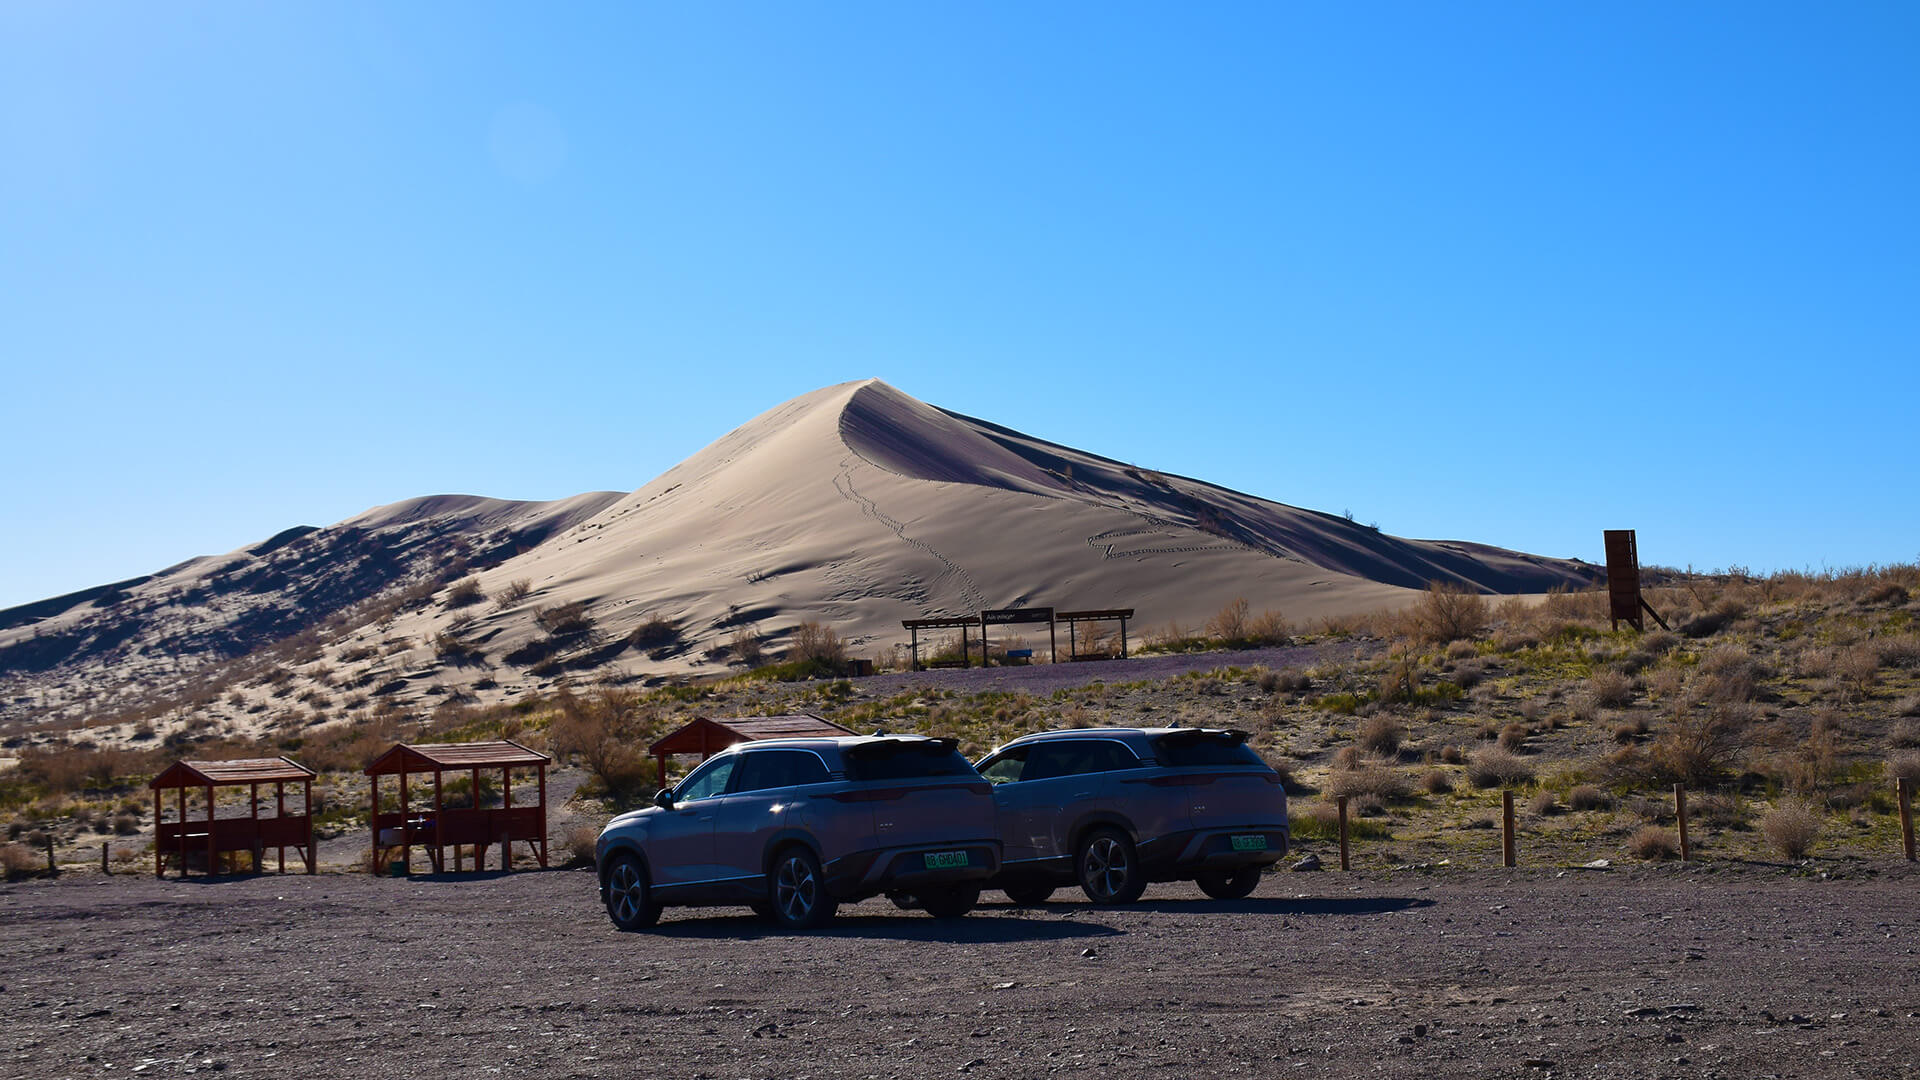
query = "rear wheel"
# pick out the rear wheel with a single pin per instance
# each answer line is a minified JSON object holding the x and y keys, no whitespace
{"x":951,"y":901}
{"x":1028,"y":893}
{"x":1229,"y":884}
{"x":798,"y":891}
{"x":630,"y":902}
{"x":1108,"y":871}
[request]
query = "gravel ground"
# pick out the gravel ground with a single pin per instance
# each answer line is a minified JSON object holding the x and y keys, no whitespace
{"x":1703,"y":972}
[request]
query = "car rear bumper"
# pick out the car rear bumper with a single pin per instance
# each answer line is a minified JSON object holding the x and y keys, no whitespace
{"x":869,"y":873}
{"x":1179,"y":854}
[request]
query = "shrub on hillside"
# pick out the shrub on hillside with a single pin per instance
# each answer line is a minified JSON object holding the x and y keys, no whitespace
{"x":1498,"y":767}
{"x":1378,"y":781}
{"x":465,"y":592}
{"x":565,"y":620}
{"x":1587,"y":797}
{"x":1447,"y":612}
{"x":1610,"y":689}
{"x":1381,"y":735}
{"x":1791,"y":828}
{"x":817,"y":645}
{"x":1653,"y":844}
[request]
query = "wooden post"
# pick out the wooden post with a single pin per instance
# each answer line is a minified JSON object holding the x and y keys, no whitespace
{"x":439,"y":827}
{"x":280,"y":811}
{"x":313,"y":855}
{"x":1123,"y":637}
{"x":1905,"y":789}
{"x":966,"y":650}
{"x":506,"y":852}
{"x":373,"y":789}
{"x":52,"y":870}
{"x":542,"y":768}
{"x":213,"y":850}
{"x":253,"y":811}
{"x":1053,"y":643}
{"x":104,"y":869}
{"x":182,"y":793}
{"x":1341,"y":802}
{"x":1506,"y":814}
{"x":159,"y":856}
{"x":406,"y":827}
{"x":1680,"y":812}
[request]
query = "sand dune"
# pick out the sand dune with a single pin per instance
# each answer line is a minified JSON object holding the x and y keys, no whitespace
{"x":855,"y":505}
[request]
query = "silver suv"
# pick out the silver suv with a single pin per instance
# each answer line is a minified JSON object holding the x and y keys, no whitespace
{"x":795,"y":827}
{"x":1111,"y":809}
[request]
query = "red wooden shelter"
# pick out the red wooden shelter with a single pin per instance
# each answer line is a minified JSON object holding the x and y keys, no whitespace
{"x":708,"y":736}
{"x":438,"y":826}
{"x":252,"y":833}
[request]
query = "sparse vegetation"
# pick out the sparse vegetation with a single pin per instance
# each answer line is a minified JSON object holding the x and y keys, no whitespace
{"x":1791,"y":828}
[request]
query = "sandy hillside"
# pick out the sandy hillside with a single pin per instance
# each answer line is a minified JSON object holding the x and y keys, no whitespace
{"x":855,"y":505}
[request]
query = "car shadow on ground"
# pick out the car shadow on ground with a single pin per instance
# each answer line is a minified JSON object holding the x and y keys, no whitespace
{"x":901,"y":926}
{"x":1304,"y":905}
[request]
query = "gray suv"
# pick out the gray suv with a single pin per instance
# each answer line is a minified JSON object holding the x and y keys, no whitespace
{"x":1112,"y":809}
{"x":795,"y":827}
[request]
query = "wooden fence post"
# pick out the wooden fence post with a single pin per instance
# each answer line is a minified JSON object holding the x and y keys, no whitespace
{"x":1506,"y":815}
{"x":1905,"y":788}
{"x":52,"y":870}
{"x":1341,"y":802}
{"x":1680,"y":811}
{"x":103,"y":857}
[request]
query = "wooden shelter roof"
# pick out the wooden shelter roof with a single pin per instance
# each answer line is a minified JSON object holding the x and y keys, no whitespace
{"x":426,"y":757}
{"x":238,"y":771}
{"x":720,"y":731}
{"x":944,"y":622}
{"x":1095,"y":615}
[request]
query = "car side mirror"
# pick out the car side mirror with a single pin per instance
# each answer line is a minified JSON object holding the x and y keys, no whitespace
{"x":663,"y":798}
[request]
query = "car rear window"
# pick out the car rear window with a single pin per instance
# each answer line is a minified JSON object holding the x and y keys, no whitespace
{"x":1186,"y":750}
{"x":907,"y":760}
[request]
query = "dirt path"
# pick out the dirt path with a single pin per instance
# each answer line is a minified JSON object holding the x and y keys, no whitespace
{"x":1744,"y":973}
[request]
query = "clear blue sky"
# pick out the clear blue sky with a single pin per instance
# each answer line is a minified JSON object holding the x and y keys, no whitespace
{"x":1512,"y":273}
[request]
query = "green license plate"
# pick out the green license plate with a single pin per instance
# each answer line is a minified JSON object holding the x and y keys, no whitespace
{"x":1249,"y":843}
{"x":946,"y":860}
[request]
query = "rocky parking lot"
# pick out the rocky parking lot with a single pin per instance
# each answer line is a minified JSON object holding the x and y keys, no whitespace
{"x":1698,"y":972}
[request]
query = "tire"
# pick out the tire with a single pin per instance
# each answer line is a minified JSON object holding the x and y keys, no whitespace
{"x":905,"y":901}
{"x":630,"y":902}
{"x":1107,"y":869}
{"x":762,"y":908}
{"x":798,"y":891}
{"x":1028,"y":893}
{"x":950,"y":902}
{"x":1229,"y":884}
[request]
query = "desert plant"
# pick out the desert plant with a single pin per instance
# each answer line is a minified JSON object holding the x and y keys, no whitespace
{"x":1587,"y":797}
{"x":1437,"y":782}
{"x":1452,"y":754}
{"x":465,"y":592}
{"x":1546,"y":804}
{"x":1377,"y":781}
{"x":1229,"y":624}
{"x":18,"y":861}
{"x":1654,"y":844}
{"x":1498,"y":767}
{"x":745,"y":645}
{"x":1446,"y":612}
{"x":578,"y":844}
{"x":565,"y":620}
{"x":1904,"y":767}
{"x":516,"y":590}
{"x":1460,"y":649}
{"x":1791,"y":828}
{"x":816,"y":645}
{"x":1610,"y":689}
{"x":1513,"y":737}
{"x":1381,"y":735}
{"x":654,"y":632}
{"x":1698,"y":744}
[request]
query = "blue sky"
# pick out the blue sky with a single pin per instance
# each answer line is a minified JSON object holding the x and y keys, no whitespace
{"x":1510,"y":273}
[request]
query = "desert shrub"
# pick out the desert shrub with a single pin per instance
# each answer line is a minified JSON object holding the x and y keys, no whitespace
{"x":654,"y":632}
{"x":1437,"y":782}
{"x":1515,"y":640}
{"x":1791,"y":828}
{"x":1452,"y":754}
{"x":455,"y":650}
{"x":1497,"y":767}
{"x":1857,"y":670}
{"x":1461,"y":650}
{"x":1513,"y":736}
{"x":565,"y":620}
{"x":1630,"y":729}
{"x":604,"y":731}
{"x":1545,"y":804}
{"x":1587,"y":797}
{"x":1447,"y":612}
{"x":745,"y":645}
{"x":578,"y":845}
{"x":1659,"y":642}
{"x":514,"y":592}
{"x":1610,"y":689}
{"x":465,"y":592}
{"x":1381,"y":735}
{"x":1718,"y":811}
{"x":125,"y":824}
{"x":1667,"y":683}
{"x":1729,"y":672}
{"x":1401,"y":682}
{"x":1713,"y":620}
{"x":1900,"y":650}
{"x":1468,"y":674}
{"x":1348,"y":757}
{"x":1654,"y":844}
{"x":1378,"y":781}
{"x":817,"y":645}
{"x":1229,"y":624}
{"x":1904,"y":767}
{"x":1320,"y":820}
{"x":18,"y":861}
{"x":1269,"y":628}
{"x":1698,"y":744}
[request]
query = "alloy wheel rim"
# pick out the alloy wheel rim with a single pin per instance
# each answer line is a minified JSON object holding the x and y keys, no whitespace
{"x":626,"y":892}
{"x":1107,"y":866}
{"x":794,"y":889}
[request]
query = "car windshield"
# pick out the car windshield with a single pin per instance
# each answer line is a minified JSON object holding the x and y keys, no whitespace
{"x":1188,"y":749}
{"x":907,"y":760}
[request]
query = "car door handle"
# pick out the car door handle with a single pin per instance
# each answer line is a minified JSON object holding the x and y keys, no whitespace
{"x":1083,"y":794}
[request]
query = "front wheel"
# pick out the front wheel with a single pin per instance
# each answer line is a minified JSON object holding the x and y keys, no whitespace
{"x":950,"y":902}
{"x":798,"y":891}
{"x":1229,"y":884}
{"x":630,"y":902}
{"x":1108,"y":871}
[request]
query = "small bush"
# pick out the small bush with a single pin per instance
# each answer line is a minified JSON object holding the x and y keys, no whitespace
{"x":1610,"y":689}
{"x":1376,"y":781}
{"x":565,"y":620}
{"x":1461,"y":650}
{"x":1513,"y":737}
{"x":1448,"y":612}
{"x":1904,"y":767}
{"x":1437,"y":782}
{"x":745,"y":645}
{"x":1654,"y":844}
{"x":517,"y":590}
{"x":1229,"y":624}
{"x":654,"y":632}
{"x":1587,"y":797}
{"x":1381,"y":735}
{"x":1698,"y":744}
{"x":125,"y":824}
{"x":1545,"y":804}
{"x":1320,"y":820}
{"x":1791,"y":828}
{"x":464,"y":593}
{"x":18,"y":861}
{"x":1713,"y":621}
{"x":1497,"y":767}
{"x":1630,"y":729}
{"x":817,"y":645}
{"x":578,"y":845}
{"x":1452,"y":754}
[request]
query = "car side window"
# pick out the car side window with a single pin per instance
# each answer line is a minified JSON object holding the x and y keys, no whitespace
{"x":779,"y":768}
{"x":708,"y":780}
{"x":1105,"y":755}
{"x":1006,"y":769}
{"x":1048,"y":760}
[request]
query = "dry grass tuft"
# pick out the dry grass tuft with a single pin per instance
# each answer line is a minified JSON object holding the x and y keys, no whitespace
{"x":1791,"y":828}
{"x":1498,"y":767}
{"x":1513,"y":737}
{"x":1380,"y":782}
{"x":1381,"y":735}
{"x":1904,"y":767}
{"x":1546,"y":804}
{"x":1437,"y":782}
{"x":1653,"y":844}
{"x":1448,"y":612}
{"x":1587,"y":797}
{"x":1610,"y":689}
